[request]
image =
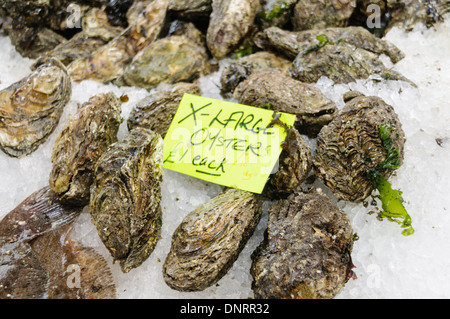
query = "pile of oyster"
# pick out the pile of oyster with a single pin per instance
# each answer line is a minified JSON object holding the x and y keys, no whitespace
{"x":275,"y":51}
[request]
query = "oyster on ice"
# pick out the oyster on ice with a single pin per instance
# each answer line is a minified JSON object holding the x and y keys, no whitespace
{"x":291,"y":44}
{"x":306,"y":250}
{"x":81,"y":45}
{"x":238,"y":71}
{"x":156,"y":111}
{"x":278,"y":91}
{"x":125,"y":197}
{"x":168,"y":60}
{"x":209,"y":240}
{"x":109,"y":61}
{"x":80,"y":144}
{"x":31,"y":108}
{"x":35,"y":253}
{"x":230,"y":21}
{"x":318,"y":14}
{"x":351,"y":145}
{"x":342,"y":63}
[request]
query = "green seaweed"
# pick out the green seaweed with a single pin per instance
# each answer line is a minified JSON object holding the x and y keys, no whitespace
{"x":392,"y":200}
{"x":275,"y":12}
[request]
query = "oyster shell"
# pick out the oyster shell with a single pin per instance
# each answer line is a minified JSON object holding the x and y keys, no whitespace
{"x":238,"y":71}
{"x":156,"y":111}
{"x":22,"y":275}
{"x":80,"y":144}
{"x":278,"y":91}
{"x":291,"y":44}
{"x":342,"y":63}
{"x":276,"y":12}
{"x":294,"y":167}
{"x":209,"y":240}
{"x":80,"y":46}
{"x":125,"y":197}
{"x":318,"y":14}
{"x":351,"y":144}
{"x":407,"y":13}
{"x":187,"y":29}
{"x":31,"y":108}
{"x":306,"y":250}
{"x":109,"y":61}
{"x":230,"y":22}
{"x":168,"y":60}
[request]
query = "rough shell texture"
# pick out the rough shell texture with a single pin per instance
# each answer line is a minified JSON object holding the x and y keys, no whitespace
{"x":31,"y":108}
{"x":318,"y":14}
{"x":209,"y":240}
{"x":342,"y":63}
{"x":278,"y":91}
{"x":156,"y":111}
{"x":351,"y":144}
{"x":294,"y":167}
{"x":306,"y":250}
{"x":81,"y":45}
{"x":291,"y":44}
{"x":238,"y":71}
{"x":109,"y":61}
{"x":125,"y":197}
{"x":230,"y":21}
{"x":80,"y":144}
{"x":168,"y":60}
{"x":36,"y":253}
{"x":191,"y":9}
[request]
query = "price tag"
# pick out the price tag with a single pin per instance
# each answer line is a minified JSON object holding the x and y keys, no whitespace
{"x":225,"y":143}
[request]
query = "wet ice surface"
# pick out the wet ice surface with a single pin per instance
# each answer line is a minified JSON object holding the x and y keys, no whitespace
{"x":388,"y":265}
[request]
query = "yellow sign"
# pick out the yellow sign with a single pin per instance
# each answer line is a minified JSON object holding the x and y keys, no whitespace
{"x":225,"y":143}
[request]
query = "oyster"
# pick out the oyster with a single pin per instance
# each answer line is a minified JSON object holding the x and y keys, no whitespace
{"x":278,"y":91}
{"x":407,"y":13}
{"x":156,"y":111}
{"x":292,"y":44}
{"x":209,"y":240}
{"x":24,"y":272}
{"x":82,"y":141}
{"x":125,"y":197}
{"x":168,"y":60}
{"x":294,"y":167}
{"x":230,"y":22}
{"x":318,"y":14}
{"x":81,"y":45}
{"x":191,"y":9}
{"x":306,"y":250}
{"x":31,"y":108}
{"x":342,"y":63}
{"x":351,"y":145}
{"x":187,"y":29}
{"x":109,"y":61}
{"x":238,"y":71}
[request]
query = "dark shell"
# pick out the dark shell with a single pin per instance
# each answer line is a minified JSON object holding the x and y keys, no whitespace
{"x":306,"y":250}
{"x":240,"y":70}
{"x":351,"y":144}
{"x":125,"y":197}
{"x":230,"y":21}
{"x":156,"y":111}
{"x":294,"y":167}
{"x":31,"y":108}
{"x":169,"y":60}
{"x":318,"y":14}
{"x":342,"y":63}
{"x":291,"y":44}
{"x":278,"y":91}
{"x":209,"y":240}
{"x":80,"y":144}
{"x":109,"y":61}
